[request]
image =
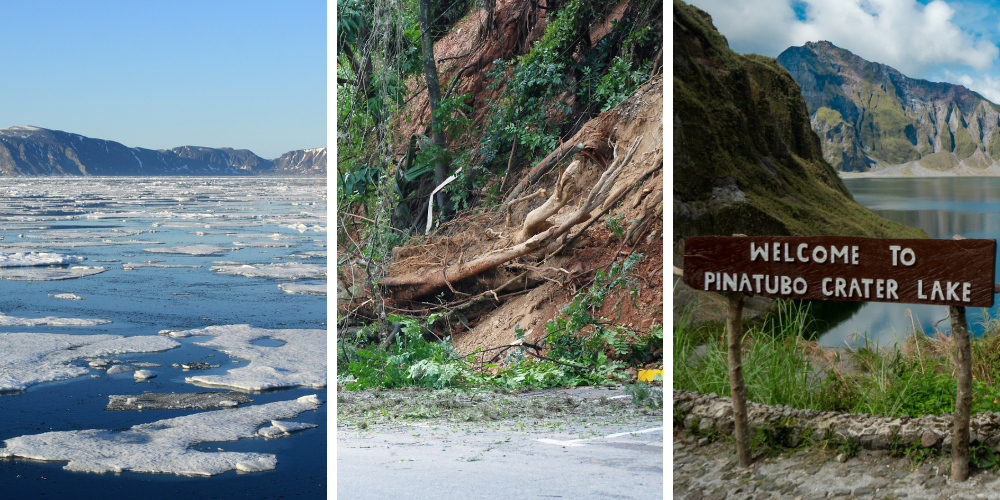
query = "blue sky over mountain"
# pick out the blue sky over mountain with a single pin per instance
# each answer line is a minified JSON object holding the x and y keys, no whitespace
{"x":238,"y":73}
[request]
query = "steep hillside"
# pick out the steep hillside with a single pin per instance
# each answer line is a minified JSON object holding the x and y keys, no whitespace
{"x":745,"y":158}
{"x":38,"y":151}
{"x":301,"y":162}
{"x":870,"y":116}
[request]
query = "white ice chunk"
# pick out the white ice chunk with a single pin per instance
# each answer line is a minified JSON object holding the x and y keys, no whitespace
{"x":142,"y":374}
{"x":66,"y":296}
{"x":301,"y":361}
{"x":191,"y":249}
{"x":166,"y":446}
{"x":48,"y":273}
{"x":33,"y":358}
{"x":305,"y":255}
{"x":264,"y":244}
{"x":22,"y":259}
{"x":291,"y":426}
{"x":304,"y":287}
{"x":287,"y":270}
{"x":306,"y":227}
{"x":50,"y":321}
{"x":128,"y":266}
{"x":114,"y":370}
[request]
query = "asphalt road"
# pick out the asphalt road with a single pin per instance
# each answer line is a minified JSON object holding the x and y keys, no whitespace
{"x":616,"y":454}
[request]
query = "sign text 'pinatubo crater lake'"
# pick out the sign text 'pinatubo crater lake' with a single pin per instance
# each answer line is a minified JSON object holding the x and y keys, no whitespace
{"x":162,"y":336}
{"x":941,"y":206}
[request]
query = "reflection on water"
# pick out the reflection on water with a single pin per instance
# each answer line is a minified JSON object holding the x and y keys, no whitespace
{"x":942,"y":207}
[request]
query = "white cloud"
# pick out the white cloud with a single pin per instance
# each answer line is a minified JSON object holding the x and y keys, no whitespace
{"x":900,"y":33}
{"x":986,"y":85}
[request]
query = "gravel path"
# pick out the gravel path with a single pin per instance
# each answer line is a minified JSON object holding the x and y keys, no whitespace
{"x":710,"y":471}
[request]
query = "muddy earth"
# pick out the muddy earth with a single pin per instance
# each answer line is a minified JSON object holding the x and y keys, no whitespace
{"x":563,"y":443}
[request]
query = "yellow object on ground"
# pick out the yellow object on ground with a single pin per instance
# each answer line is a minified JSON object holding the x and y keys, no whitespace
{"x":648,"y":375}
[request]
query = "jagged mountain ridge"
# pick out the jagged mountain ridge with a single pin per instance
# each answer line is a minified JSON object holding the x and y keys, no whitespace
{"x":745,"y":158}
{"x":869,"y":116}
{"x":37,"y":151}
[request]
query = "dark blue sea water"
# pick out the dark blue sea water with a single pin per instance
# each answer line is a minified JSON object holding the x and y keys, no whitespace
{"x":146,"y":300}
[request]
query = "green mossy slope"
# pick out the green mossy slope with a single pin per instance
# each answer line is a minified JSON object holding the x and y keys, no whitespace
{"x":745,"y":158}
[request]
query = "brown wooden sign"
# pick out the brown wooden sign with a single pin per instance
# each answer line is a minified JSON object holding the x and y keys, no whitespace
{"x":946,"y":272}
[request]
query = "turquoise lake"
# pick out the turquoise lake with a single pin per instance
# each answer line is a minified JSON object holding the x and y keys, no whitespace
{"x":942,"y":207}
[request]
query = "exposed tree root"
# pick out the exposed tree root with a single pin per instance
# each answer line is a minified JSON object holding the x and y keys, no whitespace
{"x":531,"y":238}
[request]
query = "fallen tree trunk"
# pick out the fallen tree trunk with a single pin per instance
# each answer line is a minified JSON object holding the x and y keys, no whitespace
{"x":430,"y":281}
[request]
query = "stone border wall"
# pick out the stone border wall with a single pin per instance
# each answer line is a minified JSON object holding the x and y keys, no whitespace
{"x":702,"y":413}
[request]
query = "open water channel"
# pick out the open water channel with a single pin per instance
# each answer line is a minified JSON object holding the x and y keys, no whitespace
{"x":153,"y":261}
{"x":942,"y":207}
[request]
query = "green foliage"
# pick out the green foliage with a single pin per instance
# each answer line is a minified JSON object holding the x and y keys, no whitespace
{"x":775,"y":368}
{"x":410,"y":361}
{"x":925,"y":394}
{"x":643,"y":394}
{"x":619,"y":82}
{"x":533,"y":107}
{"x":982,"y":456}
{"x":582,"y":350}
{"x":578,"y":337}
{"x":614,"y":224}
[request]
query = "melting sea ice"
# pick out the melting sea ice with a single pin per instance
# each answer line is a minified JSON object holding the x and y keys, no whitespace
{"x":231,"y":270}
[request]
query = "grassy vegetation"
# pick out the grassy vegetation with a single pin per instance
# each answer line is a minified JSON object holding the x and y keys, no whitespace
{"x":994,"y":145}
{"x":915,"y":377}
{"x":941,"y":161}
{"x":965,"y":145}
{"x":832,"y":117}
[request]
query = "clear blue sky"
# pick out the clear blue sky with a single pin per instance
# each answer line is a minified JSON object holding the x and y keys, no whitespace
{"x":245,"y":74}
{"x":954,"y":41}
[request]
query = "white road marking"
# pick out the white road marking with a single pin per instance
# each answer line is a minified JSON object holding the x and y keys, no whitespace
{"x":654,"y":429}
{"x":581,"y":442}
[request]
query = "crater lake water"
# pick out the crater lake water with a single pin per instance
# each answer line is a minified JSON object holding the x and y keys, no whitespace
{"x":942,"y":207}
{"x":227,"y":226}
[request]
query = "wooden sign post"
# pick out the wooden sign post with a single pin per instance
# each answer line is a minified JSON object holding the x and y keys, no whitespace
{"x":956,"y":273}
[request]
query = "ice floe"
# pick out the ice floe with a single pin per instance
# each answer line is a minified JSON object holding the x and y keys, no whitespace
{"x":191,"y":249}
{"x":306,"y":227}
{"x":48,"y":273}
{"x":264,"y":244}
{"x":174,"y":401}
{"x":144,"y":374}
{"x":128,"y":266}
{"x":66,"y":296}
{"x":23,"y":259}
{"x":115,"y":370}
{"x":287,"y":270}
{"x":304,"y":287}
{"x":33,"y":358}
{"x":165,"y":446}
{"x":49,"y":321}
{"x":197,"y":365}
{"x":300,"y":361}
{"x":279,"y":429}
